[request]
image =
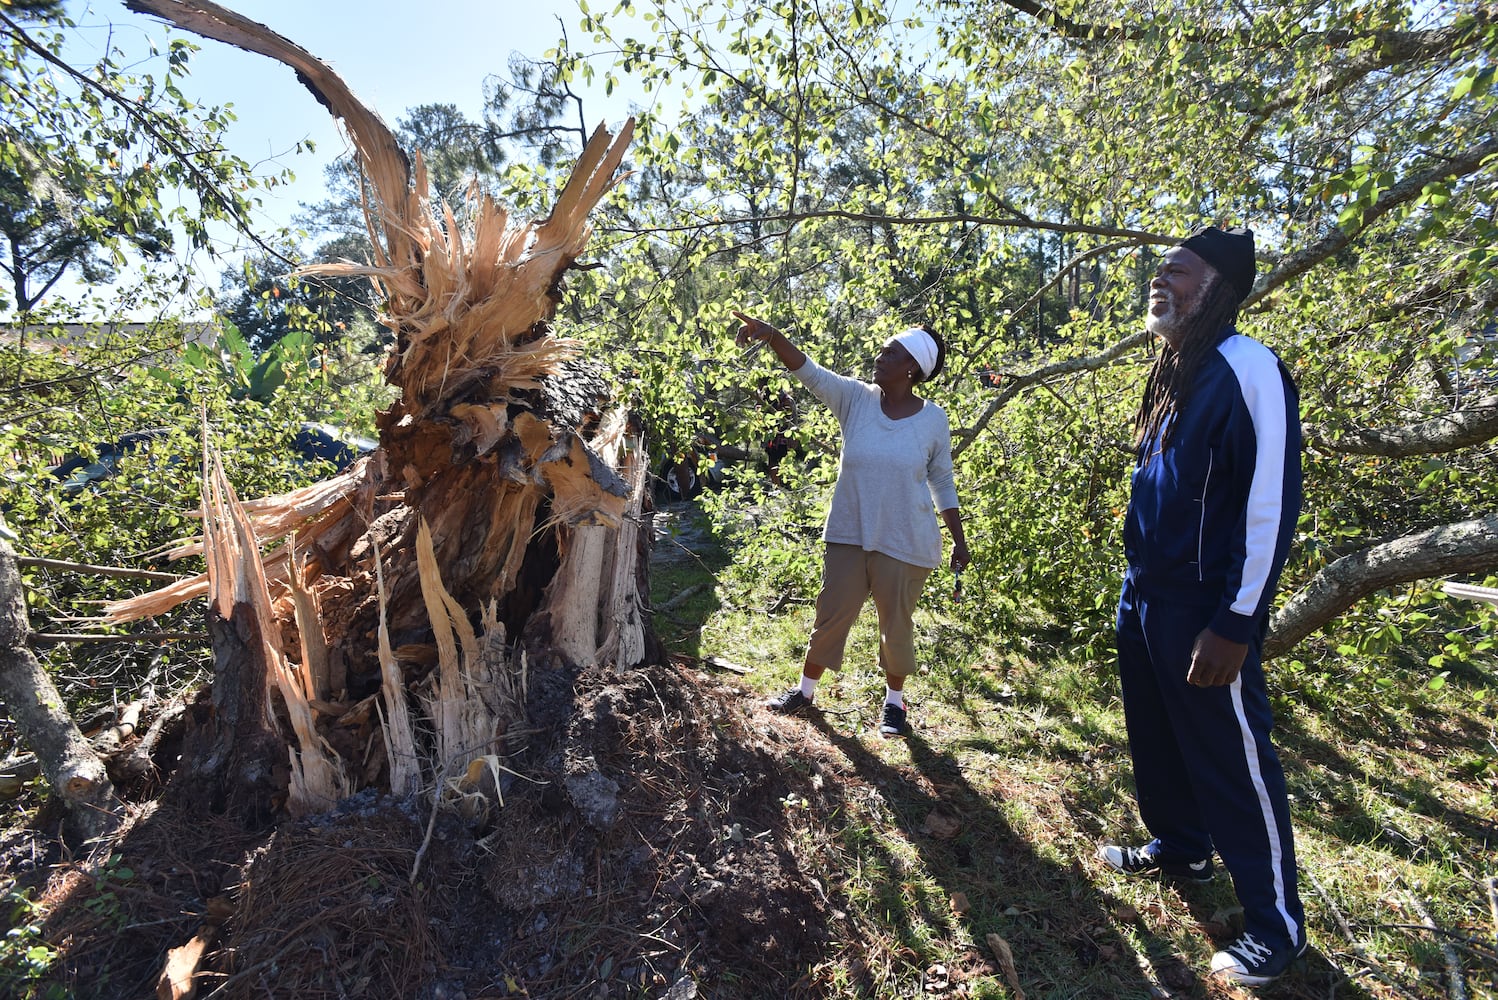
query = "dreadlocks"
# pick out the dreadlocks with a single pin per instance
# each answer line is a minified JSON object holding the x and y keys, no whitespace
{"x":1168,"y":388}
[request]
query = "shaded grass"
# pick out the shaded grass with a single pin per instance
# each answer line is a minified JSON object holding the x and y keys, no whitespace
{"x":683,"y":575}
{"x":1020,"y":767}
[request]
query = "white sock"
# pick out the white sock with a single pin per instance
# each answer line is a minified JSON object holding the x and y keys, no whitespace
{"x":893,"y":697}
{"x":808,"y":687}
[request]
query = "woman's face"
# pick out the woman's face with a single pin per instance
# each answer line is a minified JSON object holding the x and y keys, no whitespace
{"x":893,"y":365}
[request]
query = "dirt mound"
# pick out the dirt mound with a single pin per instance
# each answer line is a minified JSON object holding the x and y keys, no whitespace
{"x":644,"y":847}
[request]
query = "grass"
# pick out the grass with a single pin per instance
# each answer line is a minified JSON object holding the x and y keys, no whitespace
{"x":1020,"y":766}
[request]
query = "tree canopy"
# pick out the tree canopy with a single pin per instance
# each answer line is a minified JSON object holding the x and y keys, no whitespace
{"x":100,"y":160}
{"x":1010,"y":170}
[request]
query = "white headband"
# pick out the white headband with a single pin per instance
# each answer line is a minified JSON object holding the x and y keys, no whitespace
{"x":921,"y":346}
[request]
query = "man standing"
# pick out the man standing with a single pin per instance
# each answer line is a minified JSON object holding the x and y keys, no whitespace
{"x":1215,"y":496}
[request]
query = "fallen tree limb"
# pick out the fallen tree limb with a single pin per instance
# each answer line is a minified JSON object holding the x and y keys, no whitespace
{"x":1389,"y":44}
{"x":1458,"y":163}
{"x":110,"y":739}
{"x":1447,"y":432}
{"x":69,"y":762}
{"x":14,"y":774}
{"x":681,"y":598}
{"x":1371,"y":968}
{"x":1331,"y":907}
{"x":1480,"y":949}
{"x":18,"y":770}
{"x":1464,"y":547}
{"x":122,"y":763}
{"x":139,"y":760}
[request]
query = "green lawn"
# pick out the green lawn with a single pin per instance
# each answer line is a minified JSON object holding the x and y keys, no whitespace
{"x":1019,"y":767}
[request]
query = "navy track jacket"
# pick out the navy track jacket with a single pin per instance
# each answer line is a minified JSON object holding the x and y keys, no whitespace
{"x":1211,"y":517}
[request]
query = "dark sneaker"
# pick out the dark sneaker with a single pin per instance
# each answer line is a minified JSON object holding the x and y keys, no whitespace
{"x":1146,"y":861}
{"x":789,"y":703}
{"x":1253,"y":963}
{"x":895,"y":723}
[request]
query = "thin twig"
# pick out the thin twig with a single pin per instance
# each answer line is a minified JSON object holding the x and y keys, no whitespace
{"x":1373,"y":970}
{"x":1456,"y":984}
{"x":39,"y":638}
{"x":431,"y":825}
{"x":657,"y":694}
{"x":72,"y":567}
{"x":1471,"y":944}
{"x":681,"y":545}
{"x":1326,"y":900}
{"x":1492,"y":884}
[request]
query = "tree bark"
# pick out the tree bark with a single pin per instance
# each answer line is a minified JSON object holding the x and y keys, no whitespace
{"x":1458,"y":429}
{"x":69,"y":763}
{"x":229,"y":751}
{"x":1465,"y":547}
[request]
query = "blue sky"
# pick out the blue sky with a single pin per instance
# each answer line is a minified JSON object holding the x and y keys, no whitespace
{"x":393,"y":55}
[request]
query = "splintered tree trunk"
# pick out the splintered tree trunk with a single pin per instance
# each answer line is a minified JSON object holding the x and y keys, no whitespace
{"x":379,"y":627}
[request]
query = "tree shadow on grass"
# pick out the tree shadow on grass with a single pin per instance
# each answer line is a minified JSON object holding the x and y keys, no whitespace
{"x":1070,"y":933}
{"x":1102,"y":808}
{"x":1044,"y":907}
{"x":1324,"y":772}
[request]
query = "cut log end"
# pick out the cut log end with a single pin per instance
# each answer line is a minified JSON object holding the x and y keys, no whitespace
{"x":80,"y":787}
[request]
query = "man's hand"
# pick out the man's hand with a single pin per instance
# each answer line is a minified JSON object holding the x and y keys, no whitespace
{"x":1214,"y":660}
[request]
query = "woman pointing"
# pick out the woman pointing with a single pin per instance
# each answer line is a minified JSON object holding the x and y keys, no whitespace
{"x":881,"y":536}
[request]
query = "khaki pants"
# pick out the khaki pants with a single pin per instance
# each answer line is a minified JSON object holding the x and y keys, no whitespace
{"x":849,"y":576}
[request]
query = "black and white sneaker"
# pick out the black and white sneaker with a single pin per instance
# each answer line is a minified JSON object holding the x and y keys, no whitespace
{"x":895,"y":723}
{"x":790,"y":703}
{"x":1146,"y":861}
{"x":1253,"y":963}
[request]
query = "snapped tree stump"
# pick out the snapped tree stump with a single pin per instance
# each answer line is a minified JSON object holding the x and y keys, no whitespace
{"x":379,"y":628}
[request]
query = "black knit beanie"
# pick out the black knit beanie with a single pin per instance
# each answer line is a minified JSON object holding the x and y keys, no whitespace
{"x":1229,"y":251}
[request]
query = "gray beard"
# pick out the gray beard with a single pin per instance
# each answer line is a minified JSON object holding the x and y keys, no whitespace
{"x":1177,"y":317}
{"x":1167,"y":325}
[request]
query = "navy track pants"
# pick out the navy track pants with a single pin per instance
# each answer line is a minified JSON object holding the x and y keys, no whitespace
{"x":1205,"y":772}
